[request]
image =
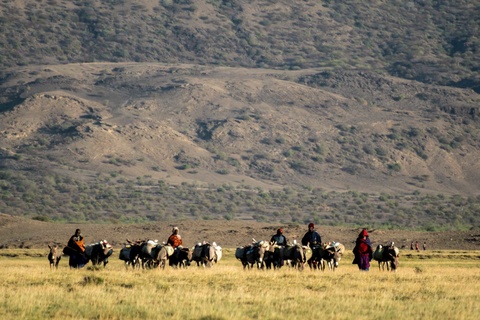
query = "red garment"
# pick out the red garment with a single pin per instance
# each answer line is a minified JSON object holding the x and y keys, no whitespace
{"x":363,"y":247}
{"x":175,"y":240}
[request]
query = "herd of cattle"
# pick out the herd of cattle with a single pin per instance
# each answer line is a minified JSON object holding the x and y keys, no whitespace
{"x":259,"y":254}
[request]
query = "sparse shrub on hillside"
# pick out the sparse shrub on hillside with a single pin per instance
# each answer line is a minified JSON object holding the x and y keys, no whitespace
{"x":299,"y":165}
{"x":380,"y":151}
{"x":223,"y":171}
{"x":288,"y":153}
{"x":394,"y":167}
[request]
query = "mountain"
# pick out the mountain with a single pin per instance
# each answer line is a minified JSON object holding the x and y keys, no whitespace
{"x":133,"y":111}
{"x":434,"y":42}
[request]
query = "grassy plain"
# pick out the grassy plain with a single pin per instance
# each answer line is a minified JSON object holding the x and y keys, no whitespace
{"x":428,"y":285}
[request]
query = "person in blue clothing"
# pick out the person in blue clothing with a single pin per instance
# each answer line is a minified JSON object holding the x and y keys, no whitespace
{"x":279,"y":238}
{"x":312,"y":238}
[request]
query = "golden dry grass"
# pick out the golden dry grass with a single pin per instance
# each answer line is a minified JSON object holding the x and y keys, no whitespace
{"x":427,"y":285}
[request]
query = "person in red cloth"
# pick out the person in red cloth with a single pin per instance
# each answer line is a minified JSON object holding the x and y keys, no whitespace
{"x":363,"y":251}
{"x":175,"y":239}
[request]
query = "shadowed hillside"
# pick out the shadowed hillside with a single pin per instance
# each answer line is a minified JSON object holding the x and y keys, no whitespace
{"x":275,"y":111}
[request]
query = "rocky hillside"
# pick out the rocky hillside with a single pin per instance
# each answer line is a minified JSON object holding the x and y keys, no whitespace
{"x":429,"y":41}
{"x":275,"y":111}
{"x":136,"y":142}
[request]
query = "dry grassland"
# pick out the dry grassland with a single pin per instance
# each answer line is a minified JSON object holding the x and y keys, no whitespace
{"x":428,"y":285}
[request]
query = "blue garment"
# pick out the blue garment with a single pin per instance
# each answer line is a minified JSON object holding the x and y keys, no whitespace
{"x":312,"y":238}
{"x":279,"y":239}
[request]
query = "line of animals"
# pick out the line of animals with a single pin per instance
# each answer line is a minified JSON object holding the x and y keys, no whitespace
{"x":97,"y":253}
{"x":151,"y":254}
{"x":261,"y":254}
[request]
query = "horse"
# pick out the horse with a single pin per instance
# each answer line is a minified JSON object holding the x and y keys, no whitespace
{"x":54,"y":256}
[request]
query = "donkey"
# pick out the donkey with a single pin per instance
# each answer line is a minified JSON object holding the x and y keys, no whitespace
{"x":204,"y":254}
{"x":181,"y":258}
{"x":253,"y":254}
{"x":54,"y":256}
{"x":387,"y":256}
{"x":162,"y":254}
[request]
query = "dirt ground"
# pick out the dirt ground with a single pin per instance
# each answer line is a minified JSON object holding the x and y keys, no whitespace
{"x":16,"y":232}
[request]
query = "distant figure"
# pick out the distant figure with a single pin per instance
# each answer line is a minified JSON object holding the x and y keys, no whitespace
{"x":77,"y":242}
{"x":424,"y":246}
{"x":411,"y":246}
{"x":312,"y":237}
{"x":76,"y":250}
{"x":416,"y":246}
{"x":175,"y":239}
{"x":279,"y":238}
{"x":363,"y":251}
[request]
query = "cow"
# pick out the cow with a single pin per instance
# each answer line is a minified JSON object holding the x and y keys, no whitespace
{"x":54,"y":256}
{"x":98,"y":252}
{"x":387,"y":256}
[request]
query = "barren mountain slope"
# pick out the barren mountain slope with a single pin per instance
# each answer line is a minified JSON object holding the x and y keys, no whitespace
{"x":337,"y":130}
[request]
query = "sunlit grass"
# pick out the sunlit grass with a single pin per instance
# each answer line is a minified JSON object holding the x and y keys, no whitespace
{"x":435,"y":287}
